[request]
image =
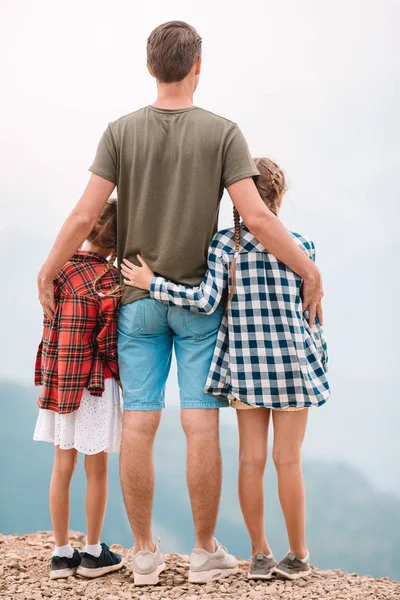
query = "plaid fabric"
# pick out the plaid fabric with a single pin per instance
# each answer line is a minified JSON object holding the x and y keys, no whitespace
{"x":79,"y":346}
{"x":266,"y":353}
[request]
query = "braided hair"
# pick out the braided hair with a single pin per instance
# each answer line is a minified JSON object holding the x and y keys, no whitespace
{"x":104,"y":236}
{"x":237,"y":236}
{"x":271,"y":185}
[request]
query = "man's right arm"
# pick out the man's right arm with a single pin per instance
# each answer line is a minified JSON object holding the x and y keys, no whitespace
{"x":82,"y":219}
{"x":72,"y":234}
{"x":270,"y":231}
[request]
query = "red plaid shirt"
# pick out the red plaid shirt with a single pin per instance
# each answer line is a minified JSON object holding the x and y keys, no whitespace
{"x":79,"y":345}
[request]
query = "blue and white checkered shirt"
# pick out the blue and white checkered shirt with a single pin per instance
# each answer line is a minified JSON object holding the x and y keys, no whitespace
{"x":266,"y":354}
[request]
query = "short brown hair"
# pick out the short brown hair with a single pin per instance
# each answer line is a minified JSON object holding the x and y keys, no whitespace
{"x":172,"y":49}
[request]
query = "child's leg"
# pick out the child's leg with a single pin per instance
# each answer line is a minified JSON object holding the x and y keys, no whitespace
{"x":101,"y":560}
{"x":253,"y":439}
{"x":96,"y":495}
{"x":289,"y":431}
{"x":64,"y":466}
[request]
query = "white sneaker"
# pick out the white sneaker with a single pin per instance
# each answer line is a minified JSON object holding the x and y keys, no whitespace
{"x":208,"y":566}
{"x":147,"y":566}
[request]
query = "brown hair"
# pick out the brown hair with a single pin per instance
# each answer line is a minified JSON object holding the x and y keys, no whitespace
{"x":104,"y":236}
{"x":271,"y":185}
{"x":172,"y":49}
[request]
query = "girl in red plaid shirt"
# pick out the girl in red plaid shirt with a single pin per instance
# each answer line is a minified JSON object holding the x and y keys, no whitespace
{"x":79,"y":405}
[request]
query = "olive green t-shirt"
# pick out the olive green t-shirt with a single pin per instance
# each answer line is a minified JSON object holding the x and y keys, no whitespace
{"x":170,"y":168}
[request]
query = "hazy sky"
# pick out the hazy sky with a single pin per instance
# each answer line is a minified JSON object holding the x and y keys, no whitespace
{"x":314,"y":85}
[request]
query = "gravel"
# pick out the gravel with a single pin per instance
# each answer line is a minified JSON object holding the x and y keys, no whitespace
{"x":24,"y":575}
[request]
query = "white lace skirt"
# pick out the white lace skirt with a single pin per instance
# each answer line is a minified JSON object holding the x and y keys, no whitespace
{"x":95,"y":427}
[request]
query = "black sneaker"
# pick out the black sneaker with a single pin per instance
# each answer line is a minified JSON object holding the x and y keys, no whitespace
{"x":96,"y":566}
{"x":61,"y":566}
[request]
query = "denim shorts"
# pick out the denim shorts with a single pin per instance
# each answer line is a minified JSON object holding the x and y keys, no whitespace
{"x":147,"y":333}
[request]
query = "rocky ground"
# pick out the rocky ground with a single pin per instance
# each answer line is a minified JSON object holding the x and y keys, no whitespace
{"x":24,"y":563}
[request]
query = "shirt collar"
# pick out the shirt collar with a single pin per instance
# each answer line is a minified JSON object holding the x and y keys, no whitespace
{"x":86,"y":255}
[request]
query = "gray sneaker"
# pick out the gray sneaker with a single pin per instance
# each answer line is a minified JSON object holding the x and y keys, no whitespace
{"x":208,"y":566}
{"x":147,"y":566}
{"x":261,"y":567}
{"x":292,"y":567}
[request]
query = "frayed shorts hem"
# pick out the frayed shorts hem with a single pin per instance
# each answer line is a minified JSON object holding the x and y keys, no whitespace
{"x":143,"y":406}
{"x":161,"y":406}
{"x":209,"y":404}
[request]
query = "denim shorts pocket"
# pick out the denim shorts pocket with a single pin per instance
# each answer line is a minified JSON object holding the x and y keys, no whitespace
{"x":199,"y":324}
{"x":131,"y":318}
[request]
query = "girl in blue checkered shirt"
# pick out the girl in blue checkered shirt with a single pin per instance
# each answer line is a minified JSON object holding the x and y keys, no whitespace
{"x":267,"y":359}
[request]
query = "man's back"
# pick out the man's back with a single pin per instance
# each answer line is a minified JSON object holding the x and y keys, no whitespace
{"x":170,"y":168}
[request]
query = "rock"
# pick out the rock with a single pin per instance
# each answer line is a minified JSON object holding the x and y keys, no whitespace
{"x":24,"y":564}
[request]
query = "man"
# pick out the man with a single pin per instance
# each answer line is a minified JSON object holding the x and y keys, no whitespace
{"x":170,"y":162}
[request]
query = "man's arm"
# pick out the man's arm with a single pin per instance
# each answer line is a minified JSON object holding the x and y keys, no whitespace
{"x":71,"y":236}
{"x":269,"y":230}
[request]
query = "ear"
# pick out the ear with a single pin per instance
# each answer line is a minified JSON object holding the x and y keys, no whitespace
{"x":198,"y":66}
{"x":150,"y":71}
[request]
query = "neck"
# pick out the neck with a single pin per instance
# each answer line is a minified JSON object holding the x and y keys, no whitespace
{"x":174,"y":95}
{"x":88,"y":247}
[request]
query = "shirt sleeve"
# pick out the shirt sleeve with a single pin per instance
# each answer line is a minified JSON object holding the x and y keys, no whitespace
{"x":237,"y":161}
{"x":106,"y":161}
{"x":203,"y":298}
{"x":312,"y":252}
{"x":77,"y":318}
{"x":317,"y":331}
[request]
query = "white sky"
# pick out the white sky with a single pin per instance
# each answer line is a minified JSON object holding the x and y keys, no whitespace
{"x":313,"y":84}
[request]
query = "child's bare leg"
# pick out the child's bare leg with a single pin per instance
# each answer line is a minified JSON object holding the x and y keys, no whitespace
{"x":63,"y":469}
{"x":289,"y":431}
{"x":253,"y":440}
{"x":96,"y":494}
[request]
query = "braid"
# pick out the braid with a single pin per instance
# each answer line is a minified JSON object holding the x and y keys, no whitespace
{"x":271,"y":183}
{"x":116,"y":291}
{"x":236,"y":219}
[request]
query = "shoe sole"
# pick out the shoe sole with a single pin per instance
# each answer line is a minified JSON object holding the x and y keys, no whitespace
{"x":254,"y":576}
{"x":62,"y":573}
{"x":212,"y":575}
{"x":93,"y":573}
{"x":292,"y":576}
{"x":149,"y":578}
